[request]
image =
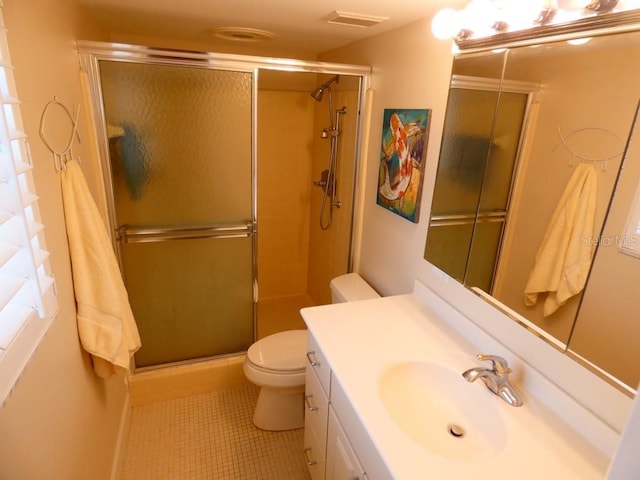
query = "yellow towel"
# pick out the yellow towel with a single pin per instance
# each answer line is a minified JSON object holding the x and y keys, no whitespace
{"x":106,"y":325}
{"x":564,"y":257}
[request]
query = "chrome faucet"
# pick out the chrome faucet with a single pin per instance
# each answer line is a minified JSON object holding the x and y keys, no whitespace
{"x":495,"y":378}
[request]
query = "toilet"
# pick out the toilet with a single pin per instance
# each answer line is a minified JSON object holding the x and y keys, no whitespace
{"x":277,"y":364}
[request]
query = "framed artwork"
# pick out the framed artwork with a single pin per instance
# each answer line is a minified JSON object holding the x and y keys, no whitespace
{"x":405,"y":135}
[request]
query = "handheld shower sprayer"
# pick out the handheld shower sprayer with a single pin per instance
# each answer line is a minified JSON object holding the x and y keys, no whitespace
{"x":328,"y":177}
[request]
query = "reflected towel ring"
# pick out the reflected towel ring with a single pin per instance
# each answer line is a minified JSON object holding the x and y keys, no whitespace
{"x":582,"y":158}
{"x":60,"y":158}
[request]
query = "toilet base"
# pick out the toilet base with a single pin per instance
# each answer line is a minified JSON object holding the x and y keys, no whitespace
{"x":278,"y":410}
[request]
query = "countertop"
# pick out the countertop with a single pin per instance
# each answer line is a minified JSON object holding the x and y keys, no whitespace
{"x":361,"y":340}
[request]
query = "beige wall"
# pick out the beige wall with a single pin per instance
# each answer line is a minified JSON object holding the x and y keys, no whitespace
{"x":61,"y":420}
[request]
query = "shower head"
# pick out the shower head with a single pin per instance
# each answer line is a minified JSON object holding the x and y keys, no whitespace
{"x":318,"y":92}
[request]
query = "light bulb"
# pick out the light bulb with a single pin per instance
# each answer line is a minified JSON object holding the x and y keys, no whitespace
{"x":445,"y":23}
{"x":571,"y":5}
{"x":519,"y":15}
{"x":478,"y":17}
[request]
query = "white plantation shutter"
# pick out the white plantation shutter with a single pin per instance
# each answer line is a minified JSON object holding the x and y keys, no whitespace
{"x":27,"y":301}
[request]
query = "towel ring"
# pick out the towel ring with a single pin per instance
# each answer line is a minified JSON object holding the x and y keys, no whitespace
{"x":582,"y":158}
{"x":60,"y":158}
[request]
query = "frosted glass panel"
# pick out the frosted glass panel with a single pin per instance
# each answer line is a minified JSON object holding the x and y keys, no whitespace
{"x":180,"y":143}
{"x":483,"y":254}
{"x":447,"y":247}
{"x":191,"y":298}
{"x":463,"y":155}
{"x":461,"y":167}
{"x":500,"y":167}
{"x":181,"y":157}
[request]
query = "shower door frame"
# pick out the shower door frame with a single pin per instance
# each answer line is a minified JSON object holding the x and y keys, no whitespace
{"x":91,"y":53}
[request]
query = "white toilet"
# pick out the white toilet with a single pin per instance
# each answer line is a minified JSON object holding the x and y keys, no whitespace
{"x":277,"y":364}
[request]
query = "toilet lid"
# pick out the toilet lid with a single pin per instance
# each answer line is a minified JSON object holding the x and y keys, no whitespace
{"x":280,"y":351}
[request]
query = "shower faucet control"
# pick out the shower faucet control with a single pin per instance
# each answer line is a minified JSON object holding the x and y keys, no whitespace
{"x":324,"y":180}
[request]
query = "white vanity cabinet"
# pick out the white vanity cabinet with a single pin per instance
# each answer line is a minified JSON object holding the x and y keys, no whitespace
{"x":328,"y":453}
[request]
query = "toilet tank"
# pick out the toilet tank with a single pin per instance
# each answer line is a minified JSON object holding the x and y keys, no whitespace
{"x":351,"y":287}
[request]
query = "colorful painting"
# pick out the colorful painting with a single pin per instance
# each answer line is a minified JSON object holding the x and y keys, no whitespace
{"x":405,"y":135}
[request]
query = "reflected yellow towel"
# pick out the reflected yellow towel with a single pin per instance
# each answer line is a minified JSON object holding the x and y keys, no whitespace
{"x":564,"y":257}
{"x":106,"y":325}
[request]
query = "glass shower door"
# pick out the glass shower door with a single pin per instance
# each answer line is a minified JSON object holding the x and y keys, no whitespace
{"x":497,"y":186}
{"x":463,"y":158}
{"x":180,"y":147}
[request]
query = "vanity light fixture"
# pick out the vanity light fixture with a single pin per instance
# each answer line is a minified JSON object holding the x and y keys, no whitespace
{"x":485,"y":24}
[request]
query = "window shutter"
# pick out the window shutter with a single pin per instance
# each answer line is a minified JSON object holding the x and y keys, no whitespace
{"x":27,"y":300}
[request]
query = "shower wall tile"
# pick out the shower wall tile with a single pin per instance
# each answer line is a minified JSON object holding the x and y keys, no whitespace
{"x":282,"y":313}
{"x":285,"y":126}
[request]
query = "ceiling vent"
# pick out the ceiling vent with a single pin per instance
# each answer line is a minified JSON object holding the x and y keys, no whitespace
{"x":354,"y":19}
{"x":240,"y":34}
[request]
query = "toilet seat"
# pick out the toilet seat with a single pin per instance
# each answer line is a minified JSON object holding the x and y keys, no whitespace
{"x":283,"y":352}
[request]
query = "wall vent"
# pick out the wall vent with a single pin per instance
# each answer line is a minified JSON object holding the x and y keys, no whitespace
{"x":354,"y":19}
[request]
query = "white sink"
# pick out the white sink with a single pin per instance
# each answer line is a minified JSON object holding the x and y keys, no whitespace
{"x":443,"y":412}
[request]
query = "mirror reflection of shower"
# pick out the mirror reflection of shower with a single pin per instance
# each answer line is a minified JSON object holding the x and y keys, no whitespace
{"x":328,"y":177}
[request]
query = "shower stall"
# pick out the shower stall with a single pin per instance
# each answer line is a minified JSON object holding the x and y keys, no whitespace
{"x":208,"y":161}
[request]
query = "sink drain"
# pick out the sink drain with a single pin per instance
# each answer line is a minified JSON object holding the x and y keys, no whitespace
{"x":456,"y":430}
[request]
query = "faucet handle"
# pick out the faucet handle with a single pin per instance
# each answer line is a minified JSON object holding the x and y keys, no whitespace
{"x":499,"y":364}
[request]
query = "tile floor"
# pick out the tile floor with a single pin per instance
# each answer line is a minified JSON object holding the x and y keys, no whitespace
{"x":209,"y":437}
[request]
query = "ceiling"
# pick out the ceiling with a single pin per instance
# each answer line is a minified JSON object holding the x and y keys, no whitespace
{"x":300,"y":26}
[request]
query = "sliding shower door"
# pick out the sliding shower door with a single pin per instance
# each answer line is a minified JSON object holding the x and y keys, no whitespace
{"x":180,"y":148}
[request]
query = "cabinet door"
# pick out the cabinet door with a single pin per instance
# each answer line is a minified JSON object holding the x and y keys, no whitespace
{"x":342,"y":463}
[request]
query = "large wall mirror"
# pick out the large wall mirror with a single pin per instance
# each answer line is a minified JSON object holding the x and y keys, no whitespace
{"x":536,"y":141}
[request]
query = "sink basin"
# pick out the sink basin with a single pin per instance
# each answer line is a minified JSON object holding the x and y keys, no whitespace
{"x":443,"y":412}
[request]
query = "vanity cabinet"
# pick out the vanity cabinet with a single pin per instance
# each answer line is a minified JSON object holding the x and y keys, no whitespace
{"x":328,"y":453}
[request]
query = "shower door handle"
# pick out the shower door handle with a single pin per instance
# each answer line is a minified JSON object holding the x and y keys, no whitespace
{"x":135,"y":234}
